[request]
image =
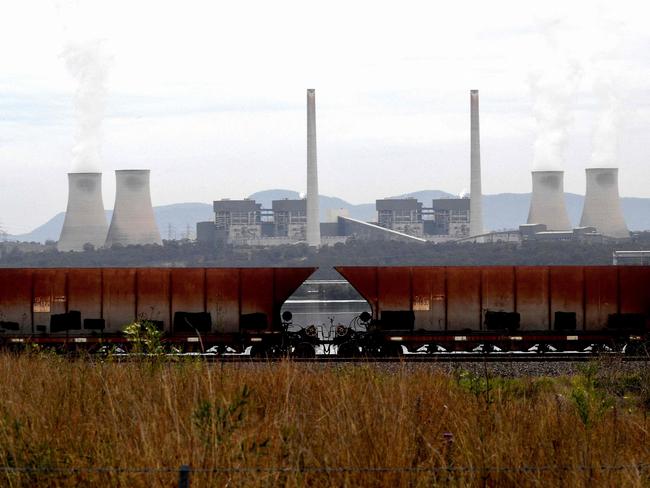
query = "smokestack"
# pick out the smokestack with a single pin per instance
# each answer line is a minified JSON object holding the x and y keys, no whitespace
{"x":133,"y":220}
{"x":475,"y":203}
{"x":547,"y":205}
{"x":313,"y":216}
{"x":85,"y":220}
{"x":602,"y":208}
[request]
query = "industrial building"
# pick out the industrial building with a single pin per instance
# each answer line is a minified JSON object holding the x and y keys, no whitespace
{"x":245,"y":222}
{"x":450,"y":217}
{"x":402,"y":215}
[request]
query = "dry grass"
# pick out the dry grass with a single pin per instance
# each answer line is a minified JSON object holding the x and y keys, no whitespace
{"x":60,"y":413}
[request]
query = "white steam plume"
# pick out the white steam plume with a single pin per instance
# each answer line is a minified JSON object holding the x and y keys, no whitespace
{"x":608,"y":78}
{"x":89,"y":64}
{"x":553,"y":86}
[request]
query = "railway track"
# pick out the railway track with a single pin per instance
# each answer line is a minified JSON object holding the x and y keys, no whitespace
{"x":412,"y":358}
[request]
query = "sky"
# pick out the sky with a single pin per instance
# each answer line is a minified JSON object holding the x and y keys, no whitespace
{"x":211,"y":96}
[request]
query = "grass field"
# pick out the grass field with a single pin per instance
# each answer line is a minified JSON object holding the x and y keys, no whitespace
{"x":335,"y":425}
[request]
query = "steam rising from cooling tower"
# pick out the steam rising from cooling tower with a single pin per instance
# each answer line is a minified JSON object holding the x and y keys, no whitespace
{"x":602,"y":208}
{"x":89,"y":64}
{"x":476,"y":197}
{"x":547,"y":205}
{"x":133,"y":219}
{"x":313,"y":219}
{"x":553,"y":86}
{"x":85,"y":220}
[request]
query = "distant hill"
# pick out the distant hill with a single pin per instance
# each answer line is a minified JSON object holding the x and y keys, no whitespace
{"x":173,"y":220}
{"x":501,"y":211}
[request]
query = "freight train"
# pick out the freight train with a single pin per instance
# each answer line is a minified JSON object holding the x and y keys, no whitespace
{"x":421,"y":310}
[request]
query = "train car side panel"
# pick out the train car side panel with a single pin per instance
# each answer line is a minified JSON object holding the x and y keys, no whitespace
{"x":464,"y":298}
{"x":567,"y":295}
{"x":257,"y":294}
{"x":16,"y":299}
{"x":119,"y":297}
{"x":634,"y":282}
{"x":429,"y":298}
{"x":601,"y":295}
{"x":498,"y":287}
{"x":50,"y":296}
{"x":222,"y":287}
{"x":394,"y":289}
{"x":532,"y":297}
{"x":154,"y":295}
{"x":187,"y":293}
{"x":364,"y":280}
{"x":85,"y":291}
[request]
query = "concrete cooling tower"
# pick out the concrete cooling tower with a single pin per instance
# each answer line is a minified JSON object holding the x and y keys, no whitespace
{"x":547,"y":204}
{"x":602,"y":208}
{"x":133,"y":220}
{"x":85,"y":220}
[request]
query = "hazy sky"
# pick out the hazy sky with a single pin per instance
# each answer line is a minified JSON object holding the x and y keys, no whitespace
{"x":211,"y":96}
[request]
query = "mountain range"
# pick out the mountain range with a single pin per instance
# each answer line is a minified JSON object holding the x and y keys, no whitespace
{"x":500,"y":211}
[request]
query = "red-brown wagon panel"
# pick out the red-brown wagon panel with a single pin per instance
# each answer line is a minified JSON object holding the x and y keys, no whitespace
{"x":187,"y":293}
{"x":119,"y":297}
{"x":257,"y":292}
{"x":394,"y":288}
{"x":222,"y":290}
{"x":429,"y":297}
{"x":154,"y":295}
{"x":464,"y":298}
{"x":16,"y":298}
{"x":601,"y":295}
{"x":85,"y":292}
{"x":50,"y":295}
{"x":364,"y":280}
{"x":532,"y":297}
{"x":287,"y":280}
{"x":634,"y":289}
{"x":567,"y":293}
{"x":497,"y":288}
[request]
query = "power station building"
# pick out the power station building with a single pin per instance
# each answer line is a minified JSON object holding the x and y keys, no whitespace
{"x":401,"y":215}
{"x":245,"y":222}
{"x":447,"y":218}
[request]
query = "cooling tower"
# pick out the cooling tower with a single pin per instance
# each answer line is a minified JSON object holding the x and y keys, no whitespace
{"x":602,"y":208}
{"x":85,"y":220}
{"x":133,"y":220}
{"x":476,"y":197}
{"x":313,"y":219}
{"x":547,"y":205}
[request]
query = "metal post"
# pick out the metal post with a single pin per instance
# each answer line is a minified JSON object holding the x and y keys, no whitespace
{"x":184,"y":476}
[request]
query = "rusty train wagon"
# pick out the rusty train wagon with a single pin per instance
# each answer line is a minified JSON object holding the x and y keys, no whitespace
{"x":89,"y":307}
{"x":504,"y":307}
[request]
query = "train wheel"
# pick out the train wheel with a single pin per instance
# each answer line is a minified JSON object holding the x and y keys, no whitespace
{"x":304,"y":350}
{"x":391,"y":350}
{"x":348,"y":350}
{"x":259,"y":351}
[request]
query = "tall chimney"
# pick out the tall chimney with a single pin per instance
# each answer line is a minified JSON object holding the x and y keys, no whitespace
{"x":133,"y":221}
{"x":313,"y":216}
{"x":475,"y":203}
{"x":547,"y":205}
{"x":85,"y":220}
{"x":602,"y":208}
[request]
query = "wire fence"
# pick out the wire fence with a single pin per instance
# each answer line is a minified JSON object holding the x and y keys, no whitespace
{"x":184,"y":472}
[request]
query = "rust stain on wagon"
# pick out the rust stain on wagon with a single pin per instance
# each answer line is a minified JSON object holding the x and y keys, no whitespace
{"x":455,"y":298}
{"x":29,"y":297}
